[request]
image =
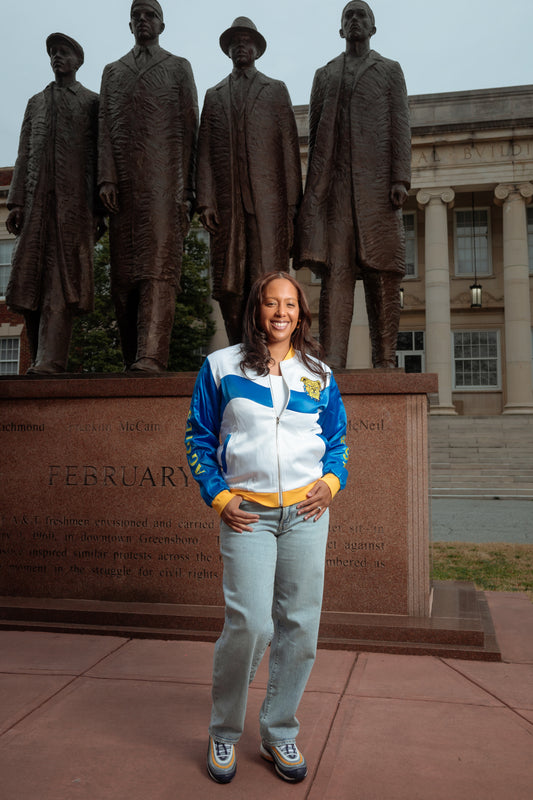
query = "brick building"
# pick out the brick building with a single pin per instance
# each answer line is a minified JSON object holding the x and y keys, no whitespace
{"x":14,"y":349}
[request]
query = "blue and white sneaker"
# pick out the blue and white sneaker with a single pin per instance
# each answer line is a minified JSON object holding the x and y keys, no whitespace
{"x":288,"y":761}
{"x":221,"y":760}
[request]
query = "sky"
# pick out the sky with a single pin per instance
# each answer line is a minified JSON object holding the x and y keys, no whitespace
{"x":442,"y":45}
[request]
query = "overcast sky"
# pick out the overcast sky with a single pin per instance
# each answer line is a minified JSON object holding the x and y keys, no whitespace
{"x":442,"y":45}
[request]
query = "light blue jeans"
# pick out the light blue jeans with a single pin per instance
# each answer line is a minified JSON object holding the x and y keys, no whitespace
{"x":273,"y":586}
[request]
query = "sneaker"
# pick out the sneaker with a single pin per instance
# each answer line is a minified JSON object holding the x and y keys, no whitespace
{"x":221,"y":760}
{"x":288,"y":761}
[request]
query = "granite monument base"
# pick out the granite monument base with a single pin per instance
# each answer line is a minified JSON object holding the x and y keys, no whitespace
{"x":104,"y":528}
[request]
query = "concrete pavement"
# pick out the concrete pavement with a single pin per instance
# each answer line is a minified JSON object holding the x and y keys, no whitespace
{"x":107,"y":718}
{"x":482,"y":520}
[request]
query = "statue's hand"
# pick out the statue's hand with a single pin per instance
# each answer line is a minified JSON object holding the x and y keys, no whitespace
{"x":109,"y":197}
{"x":398,"y":195}
{"x":15,"y":220}
{"x":100,"y":227}
{"x":209,"y":219}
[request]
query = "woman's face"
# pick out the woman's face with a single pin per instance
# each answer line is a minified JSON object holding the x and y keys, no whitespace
{"x":280,"y":311}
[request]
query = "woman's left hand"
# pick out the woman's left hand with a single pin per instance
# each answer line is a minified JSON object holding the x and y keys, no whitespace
{"x":317,"y":500}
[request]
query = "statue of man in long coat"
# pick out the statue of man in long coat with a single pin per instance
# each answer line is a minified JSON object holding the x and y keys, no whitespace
{"x":359,"y":172}
{"x":147,"y":141}
{"x":52,"y":202}
{"x":249,"y":174}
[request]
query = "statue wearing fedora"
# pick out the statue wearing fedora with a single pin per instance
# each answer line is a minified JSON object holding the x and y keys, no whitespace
{"x":249,"y":174}
{"x":52,"y":202}
{"x":147,"y":144}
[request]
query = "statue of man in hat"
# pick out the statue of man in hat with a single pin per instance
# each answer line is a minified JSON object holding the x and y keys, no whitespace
{"x":146,"y":171}
{"x":249,"y":174}
{"x":359,"y":171}
{"x":52,"y":202}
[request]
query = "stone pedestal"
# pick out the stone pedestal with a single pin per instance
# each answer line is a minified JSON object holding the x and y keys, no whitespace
{"x":378,"y":548}
{"x":103,"y":525}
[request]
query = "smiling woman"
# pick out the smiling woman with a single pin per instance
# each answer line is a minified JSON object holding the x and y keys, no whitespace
{"x":279,"y":317}
{"x":266,"y":442}
{"x":257,"y":350}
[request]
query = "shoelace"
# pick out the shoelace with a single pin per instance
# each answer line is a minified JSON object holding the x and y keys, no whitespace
{"x":222,"y":751}
{"x":289,"y":751}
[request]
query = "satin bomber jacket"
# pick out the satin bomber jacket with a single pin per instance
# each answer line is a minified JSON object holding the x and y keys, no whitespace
{"x":236,"y":441}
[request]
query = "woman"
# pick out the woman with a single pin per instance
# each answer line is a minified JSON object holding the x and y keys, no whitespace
{"x":266,"y":442}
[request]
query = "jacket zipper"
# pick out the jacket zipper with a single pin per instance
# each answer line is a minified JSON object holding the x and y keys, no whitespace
{"x":280,"y":493}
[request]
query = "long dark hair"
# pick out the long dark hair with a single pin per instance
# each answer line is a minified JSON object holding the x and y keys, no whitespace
{"x":256,"y":355}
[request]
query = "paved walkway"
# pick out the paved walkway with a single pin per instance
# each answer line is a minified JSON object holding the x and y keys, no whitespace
{"x":105,"y":718}
{"x":480,"y":520}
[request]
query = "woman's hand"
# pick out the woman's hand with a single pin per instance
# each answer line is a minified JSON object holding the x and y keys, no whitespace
{"x":237,"y":519}
{"x":318,"y":499}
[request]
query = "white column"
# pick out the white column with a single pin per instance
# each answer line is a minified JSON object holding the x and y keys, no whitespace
{"x":359,"y":354}
{"x":438,"y":317}
{"x":516,"y":297}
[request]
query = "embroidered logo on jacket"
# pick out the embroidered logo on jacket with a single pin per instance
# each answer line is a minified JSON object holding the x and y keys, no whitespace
{"x":312,"y":388}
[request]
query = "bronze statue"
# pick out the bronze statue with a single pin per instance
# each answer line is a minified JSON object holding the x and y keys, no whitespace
{"x":350,"y":223}
{"x":249,"y":174}
{"x":147,"y":139}
{"x":52,"y":202}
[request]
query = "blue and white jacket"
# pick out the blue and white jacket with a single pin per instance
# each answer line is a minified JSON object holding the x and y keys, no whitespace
{"x":237,"y":444}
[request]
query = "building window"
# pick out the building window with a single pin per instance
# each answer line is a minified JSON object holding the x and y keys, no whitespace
{"x":529,"y":211}
{"x":6,"y":249}
{"x":472,"y":239}
{"x":476,"y":359}
{"x":410,"y":351}
{"x":9,"y":356}
{"x":411,"y":260}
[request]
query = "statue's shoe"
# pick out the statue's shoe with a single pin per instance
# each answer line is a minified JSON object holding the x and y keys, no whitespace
{"x":44,"y":368}
{"x":146,"y":365}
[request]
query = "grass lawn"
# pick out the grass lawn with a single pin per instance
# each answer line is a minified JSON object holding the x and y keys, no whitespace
{"x":495,"y":567}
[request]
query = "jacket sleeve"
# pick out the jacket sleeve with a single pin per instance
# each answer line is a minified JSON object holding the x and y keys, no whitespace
{"x":400,"y":129}
{"x":315,"y":110}
{"x":205,"y":190}
{"x":17,"y":190}
{"x":290,"y":152}
{"x":189,"y":133}
{"x":107,"y":171}
{"x":333,"y":423}
{"x":202,"y":436}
